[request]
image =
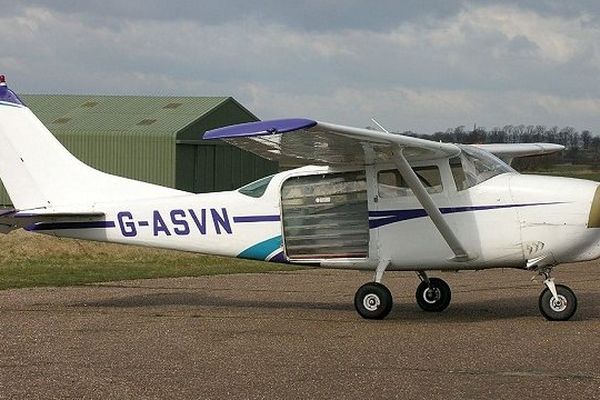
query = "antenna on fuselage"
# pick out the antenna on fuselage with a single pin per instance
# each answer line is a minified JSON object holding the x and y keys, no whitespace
{"x":379,"y":125}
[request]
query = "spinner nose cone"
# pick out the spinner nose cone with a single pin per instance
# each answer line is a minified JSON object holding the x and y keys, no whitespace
{"x":594,"y":217}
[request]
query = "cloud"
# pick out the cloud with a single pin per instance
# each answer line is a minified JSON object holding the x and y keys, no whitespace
{"x":427,"y":110}
{"x":413,"y":66}
{"x":551,"y":39}
{"x":309,"y":15}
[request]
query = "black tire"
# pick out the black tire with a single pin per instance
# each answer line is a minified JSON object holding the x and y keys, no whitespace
{"x":561,"y":311}
{"x":373,"y":301}
{"x":434,"y":297}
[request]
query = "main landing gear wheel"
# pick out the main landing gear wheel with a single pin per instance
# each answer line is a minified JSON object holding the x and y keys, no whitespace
{"x":560,"y":308}
{"x":373,"y":301}
{"x":433,"y":295}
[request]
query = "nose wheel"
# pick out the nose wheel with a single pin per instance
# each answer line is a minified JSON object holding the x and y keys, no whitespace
{"x":560,"y":307}
{"x":557,"y":302}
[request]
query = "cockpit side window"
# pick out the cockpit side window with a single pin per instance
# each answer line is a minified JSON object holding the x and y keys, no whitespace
{"x":391,"y":183}
{"x":474,"y":166}
{"x":256,"y":188}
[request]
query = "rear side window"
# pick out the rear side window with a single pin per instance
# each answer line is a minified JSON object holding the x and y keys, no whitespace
{"x":256,"y":188}
{"x":391,"y":183}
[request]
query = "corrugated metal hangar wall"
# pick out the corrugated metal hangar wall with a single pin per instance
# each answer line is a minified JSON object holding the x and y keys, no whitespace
{"x":155,"y":139}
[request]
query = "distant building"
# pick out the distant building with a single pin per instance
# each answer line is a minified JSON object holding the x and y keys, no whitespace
{"x":154,"y":139}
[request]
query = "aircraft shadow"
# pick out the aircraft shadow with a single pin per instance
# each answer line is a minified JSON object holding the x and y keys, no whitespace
{"x":472,"y":311}
{"x":205,"y":300}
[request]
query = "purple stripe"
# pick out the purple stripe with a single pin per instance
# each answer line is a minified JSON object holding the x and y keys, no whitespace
{"x":260,"y":128}
{"x":51,"y":226}
{"x":381,"y":218}
{"x":256,"y":218}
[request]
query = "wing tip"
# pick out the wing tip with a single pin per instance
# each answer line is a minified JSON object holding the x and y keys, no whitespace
{"x":260,"y":128}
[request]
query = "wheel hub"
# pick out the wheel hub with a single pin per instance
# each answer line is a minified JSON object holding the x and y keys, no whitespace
{"x":371,"y":302}
{"x":431,"y":295}
{"x":559,"y":304}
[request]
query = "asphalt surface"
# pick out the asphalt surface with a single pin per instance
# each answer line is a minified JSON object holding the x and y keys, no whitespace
{"x":296,"y":335}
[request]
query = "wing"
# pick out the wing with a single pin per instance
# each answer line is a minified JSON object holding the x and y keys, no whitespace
{"x":297,"y":142}
{"x":508,"y":151}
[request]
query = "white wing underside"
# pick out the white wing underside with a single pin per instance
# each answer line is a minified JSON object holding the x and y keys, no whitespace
{"x":330,"y":144}
{"x":298,"y":142}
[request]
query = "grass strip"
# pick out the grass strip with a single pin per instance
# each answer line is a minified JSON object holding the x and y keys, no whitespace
{"x":56,"y":272}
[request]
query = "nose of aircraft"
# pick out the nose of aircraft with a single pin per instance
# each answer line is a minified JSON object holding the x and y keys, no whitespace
{"x":556,"y":190}
{"x":592,"y":234}
{"x":560,"y":216}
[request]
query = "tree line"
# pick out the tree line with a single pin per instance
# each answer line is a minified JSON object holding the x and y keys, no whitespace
{"x":581,"y":147}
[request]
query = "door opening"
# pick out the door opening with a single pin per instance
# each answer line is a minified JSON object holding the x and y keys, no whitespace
{"x":326,"y":216}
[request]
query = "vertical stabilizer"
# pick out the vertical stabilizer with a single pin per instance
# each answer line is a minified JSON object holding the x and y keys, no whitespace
{"x":38,"y":171}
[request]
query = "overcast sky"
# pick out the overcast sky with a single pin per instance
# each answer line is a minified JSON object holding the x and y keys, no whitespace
{"x":414,"y":65}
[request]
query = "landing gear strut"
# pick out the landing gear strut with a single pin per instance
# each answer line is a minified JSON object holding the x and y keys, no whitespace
{"x":373,"y":300}
{"x":557,"y":302}
{"x":433,"y":294}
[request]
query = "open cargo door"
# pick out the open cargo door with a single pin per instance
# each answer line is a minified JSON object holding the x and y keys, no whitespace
{"x":326,"y":216}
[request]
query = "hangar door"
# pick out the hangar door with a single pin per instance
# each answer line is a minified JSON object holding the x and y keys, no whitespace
{"x":208,"y":168}
{"x":326,"y":216}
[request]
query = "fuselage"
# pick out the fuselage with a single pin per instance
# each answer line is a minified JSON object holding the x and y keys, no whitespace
{"x":507,"y":220}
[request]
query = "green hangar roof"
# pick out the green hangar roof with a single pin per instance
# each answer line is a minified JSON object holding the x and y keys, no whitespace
{"x":155,"y":139}
{"x":125,"y":114}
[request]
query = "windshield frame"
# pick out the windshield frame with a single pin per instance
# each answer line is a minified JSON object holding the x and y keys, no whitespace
{"x":478,"y":166}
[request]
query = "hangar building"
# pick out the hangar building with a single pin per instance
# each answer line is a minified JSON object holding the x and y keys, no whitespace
{"x":154,"y":139}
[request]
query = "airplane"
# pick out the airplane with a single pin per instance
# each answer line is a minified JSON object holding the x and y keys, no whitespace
{"x":356,"y":199}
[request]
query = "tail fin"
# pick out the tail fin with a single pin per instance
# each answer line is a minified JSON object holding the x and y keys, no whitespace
{"x":38,"y":172}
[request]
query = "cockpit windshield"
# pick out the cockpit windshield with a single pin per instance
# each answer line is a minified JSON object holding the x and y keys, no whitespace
{"x":474,"y":166}
{"x":256,"y":188}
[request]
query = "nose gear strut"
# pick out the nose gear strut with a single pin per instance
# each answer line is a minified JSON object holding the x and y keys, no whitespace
{"x":556,"y":302}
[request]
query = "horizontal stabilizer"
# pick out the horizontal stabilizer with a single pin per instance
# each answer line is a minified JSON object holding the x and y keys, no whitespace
{"x":36,"y":220}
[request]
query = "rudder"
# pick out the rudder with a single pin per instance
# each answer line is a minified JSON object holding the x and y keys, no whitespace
{"x":38,"y":172}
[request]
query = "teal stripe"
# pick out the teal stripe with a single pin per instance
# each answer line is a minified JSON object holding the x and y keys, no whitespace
{"x":261,"y":251}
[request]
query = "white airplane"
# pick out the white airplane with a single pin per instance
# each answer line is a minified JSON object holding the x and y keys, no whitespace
{"x":363,"y":199}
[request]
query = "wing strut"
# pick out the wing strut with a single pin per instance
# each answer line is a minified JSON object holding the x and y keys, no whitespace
{"x":427,"y":202}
